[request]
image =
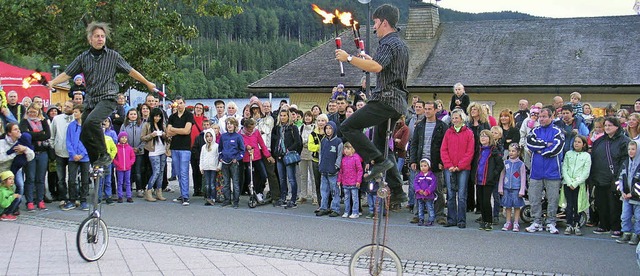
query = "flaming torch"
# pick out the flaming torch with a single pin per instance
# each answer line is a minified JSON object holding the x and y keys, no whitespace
{"x":34,"y":77}
{"x":336,"y":18}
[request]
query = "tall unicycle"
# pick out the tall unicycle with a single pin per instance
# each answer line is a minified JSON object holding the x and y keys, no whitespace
{"x":376,"y":258}
{"x":93,"y":235}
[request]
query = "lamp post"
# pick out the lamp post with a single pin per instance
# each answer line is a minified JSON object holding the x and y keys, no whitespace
{"x":367,"y":44}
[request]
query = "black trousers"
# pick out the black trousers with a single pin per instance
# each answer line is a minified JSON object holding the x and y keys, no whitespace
{"x":484,"y":202}
{"x":609,"y":208}
{"x":92,"y":136}
{"x":374,"y":114}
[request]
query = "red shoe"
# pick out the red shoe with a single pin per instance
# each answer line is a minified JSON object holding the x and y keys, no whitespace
{"x":42,"y":206}
{"x":30,"y":207}
{"x":8,"y":217}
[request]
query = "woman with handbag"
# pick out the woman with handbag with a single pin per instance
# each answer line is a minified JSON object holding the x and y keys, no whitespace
{"x":286,"y":145}
{"x":607,"y":155}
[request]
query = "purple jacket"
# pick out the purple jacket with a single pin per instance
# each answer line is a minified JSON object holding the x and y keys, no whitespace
{"x":427,"y":183}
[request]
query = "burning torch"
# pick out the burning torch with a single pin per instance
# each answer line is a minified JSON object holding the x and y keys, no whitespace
{"x":336,"y":18}
{"x":34,"y":77}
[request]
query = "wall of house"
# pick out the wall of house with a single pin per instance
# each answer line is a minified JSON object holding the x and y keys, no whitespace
{"x":497,"y":101}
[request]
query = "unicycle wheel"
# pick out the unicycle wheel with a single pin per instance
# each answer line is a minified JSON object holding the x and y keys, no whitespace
{"x":375,"y":259}
{"x":92,"y":239}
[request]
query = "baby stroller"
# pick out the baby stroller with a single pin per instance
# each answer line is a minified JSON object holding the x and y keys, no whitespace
{"x":527,"y":216}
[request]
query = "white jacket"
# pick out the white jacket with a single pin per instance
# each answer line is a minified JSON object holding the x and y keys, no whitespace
{"x":59,"y":126}
{"x":210,"y":160}
{"x":7,"y":159}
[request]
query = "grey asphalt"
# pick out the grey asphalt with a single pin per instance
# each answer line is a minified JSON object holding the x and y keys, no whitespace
{"x":300,"y":228}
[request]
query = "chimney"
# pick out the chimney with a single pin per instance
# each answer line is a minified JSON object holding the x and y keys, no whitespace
{"x":423,"y":21}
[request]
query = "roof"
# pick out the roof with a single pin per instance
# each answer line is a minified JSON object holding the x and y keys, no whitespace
{"x":533,"y":52}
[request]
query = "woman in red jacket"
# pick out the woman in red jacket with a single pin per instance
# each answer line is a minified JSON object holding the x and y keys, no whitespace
{"x":457,"y":153}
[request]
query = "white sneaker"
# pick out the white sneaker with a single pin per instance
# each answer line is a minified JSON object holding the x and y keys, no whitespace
{"x":260,"y":198}
{"x":552,"y":228}
{"x":354,"y":216}
{"x":345,"y":215}
{"x":534,"y":227}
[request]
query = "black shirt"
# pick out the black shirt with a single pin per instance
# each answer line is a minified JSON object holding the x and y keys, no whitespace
{"x":181,"y":142}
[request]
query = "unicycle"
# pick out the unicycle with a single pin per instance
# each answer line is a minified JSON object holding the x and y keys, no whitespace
{"x":93,"y":236}
{"x":376,"y":258}
{"x":253,"y":200}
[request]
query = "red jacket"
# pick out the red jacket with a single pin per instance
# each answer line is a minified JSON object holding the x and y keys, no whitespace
{"x":350,"y":170}
{"x":255,"y":141}
{"x":124,"y":158}
{"x":457,"y":148}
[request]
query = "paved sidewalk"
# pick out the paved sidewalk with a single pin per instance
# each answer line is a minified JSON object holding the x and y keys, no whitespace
{"x":32,"y":250}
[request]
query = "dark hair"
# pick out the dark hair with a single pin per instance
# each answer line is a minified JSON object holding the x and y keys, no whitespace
{"x":567,"y":107}
{"x":78,"y":107}
{"x":613,"y":120}
{"x":421,"y":102}
{"x":387,"y":12}
{"x":218,"y":102}
{"x":155,"y":112}
{"x":584,"y":142}
{"x":246,"y":122}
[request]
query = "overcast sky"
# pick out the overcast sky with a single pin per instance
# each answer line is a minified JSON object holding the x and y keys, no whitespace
{"x":546,"y":8}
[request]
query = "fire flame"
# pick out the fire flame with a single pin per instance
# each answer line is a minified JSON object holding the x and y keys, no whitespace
{"x":344,"y":17}
{"x":34,"y":77}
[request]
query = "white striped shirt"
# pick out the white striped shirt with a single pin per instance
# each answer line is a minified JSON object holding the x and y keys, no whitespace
{"x":391,"y":83}
{"x":99,"y":74}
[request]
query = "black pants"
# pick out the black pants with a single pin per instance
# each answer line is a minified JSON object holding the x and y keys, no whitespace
{"x":573,"y":217}
{"x":374,"y":114}
{"x":196,"y":175}
{"x":609,"y":208}
{"x":316,"y":177}
{"x":484,"y":202}
{"x":274,"y":183}
{"x":92,"y":136}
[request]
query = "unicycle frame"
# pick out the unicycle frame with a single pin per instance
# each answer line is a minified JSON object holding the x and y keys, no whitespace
{"x":93,"y":221}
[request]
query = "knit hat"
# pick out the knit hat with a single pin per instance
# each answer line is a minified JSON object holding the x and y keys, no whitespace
{"x":122,"y":134}
{"x":5,"y":175}
{"x":78,"y":77}
{"x":426,"y":160}
{"x":535,"y":109}
{"x":341,"y":85}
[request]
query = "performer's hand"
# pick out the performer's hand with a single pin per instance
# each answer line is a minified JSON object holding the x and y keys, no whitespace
{"x":365,"y":56}
{"x":341,"y":55}
{"x":151,"y":86}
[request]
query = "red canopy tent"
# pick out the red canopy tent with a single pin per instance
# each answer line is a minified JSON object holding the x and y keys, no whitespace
{"x":11,"y":79}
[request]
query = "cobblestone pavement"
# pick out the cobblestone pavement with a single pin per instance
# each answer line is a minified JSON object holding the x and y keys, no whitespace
{"x":137,"y":252}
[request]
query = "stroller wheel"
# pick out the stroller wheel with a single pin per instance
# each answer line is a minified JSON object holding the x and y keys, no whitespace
{"x":253,"y":202}
{"x":584,"y":217}
{"x":525,"y":214}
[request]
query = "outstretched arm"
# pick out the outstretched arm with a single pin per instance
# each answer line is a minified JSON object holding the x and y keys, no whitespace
{"x":139,"y":77}
{"x":59,"y":79}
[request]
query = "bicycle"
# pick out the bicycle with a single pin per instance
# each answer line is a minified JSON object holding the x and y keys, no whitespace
{"x":378,"y":258}
{"x":93,"y":235}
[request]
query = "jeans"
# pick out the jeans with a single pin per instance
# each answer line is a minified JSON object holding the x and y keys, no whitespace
{"x":157,"y":169}
{"x":456,"y":196}
{"x":84,"y":180}
{"x":307,"y":182}
{"x":630,"y":211}
{"x":174,"y":167}
{"x":105,"y":183}
{"x":229,"y":171}
{"x":13,"y":207}
{"x":181,"y":159}
{"x":571,"y":196}
{"x":288,"y":172}
{"x":92,"y":136}
{"x":36,"y":171}
{"x":124,"y":179}
{"x":400,"y":164}
{"x":351,"y":199}
{"x":428,"y":203}
{"x":61,"y":170}
{"x":412,"y":191}
{"x":374,"y":114}
{"x":136,"y":171}
{"x":19,"y":182}
{"x":210,"y":184}
{"x":552,"y":193}
{"x":329,"y":185}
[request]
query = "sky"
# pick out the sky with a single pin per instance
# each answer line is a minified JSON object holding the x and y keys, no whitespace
{"x":544,"y":8}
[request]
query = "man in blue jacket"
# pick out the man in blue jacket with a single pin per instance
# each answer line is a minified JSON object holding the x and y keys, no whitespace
{"x":545,"y":142}
{"x":78,"y":158}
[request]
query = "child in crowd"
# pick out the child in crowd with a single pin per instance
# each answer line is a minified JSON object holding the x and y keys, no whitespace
{"x":209,"y":166}
{"x":105,"y":182}
{"x":497,"y":134}
{"x":459,"y":99}
{"x":628,"y":184}
{"x":576,"y":104}
{"x":513,"y":182}
{"x":9,"y":199}
{"x":329,"y":165}
{"x":425,"y":185}
{"x":231,"y":150}
{"x":21,"y":160}
{"x":123,"y":162}
{"x":575,"y":171}
{"x":489,"y":164}
{"x":350,"y":177}
{"x":77,"y":86}
{"x":597,"y":132}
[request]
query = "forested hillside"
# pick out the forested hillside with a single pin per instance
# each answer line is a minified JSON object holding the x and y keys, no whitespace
{"x":230,"y":53}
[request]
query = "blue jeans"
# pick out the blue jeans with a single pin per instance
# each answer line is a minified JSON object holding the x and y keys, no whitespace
{"x":456,"y":196}
{"x":105,"y":183}
{"x":351,"y":198}
{"x":229,"y":171}
{"x":496,"y":201}
{"x":157,"y":170}
{"x":412,"y":191}
{"x":19,"y":183}
{"x":61,"y":170}
{"x":290,"y":174}
{"x":136,"y":171}
{"x":181,"y":158}
{"x":329,"y":184}
{"x":372,"y":194}
{"x":74,"y":193}
{"x":210,"y":184}
{"x":628,"y":211}
{"x":13,"y":207}
{"x":400,"y":164}
{"x":422,"y":203}
{"x":36,"y":171}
